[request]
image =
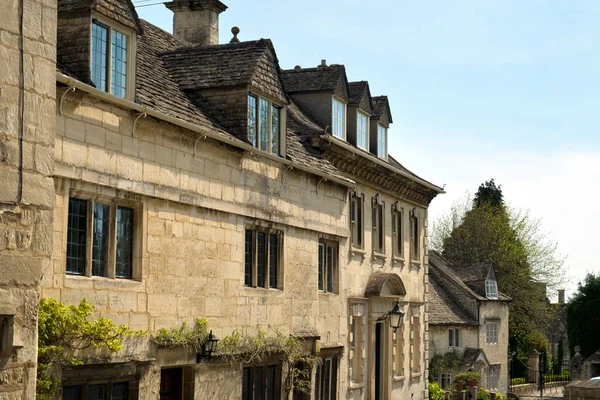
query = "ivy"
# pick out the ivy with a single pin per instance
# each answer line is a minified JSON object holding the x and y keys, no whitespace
{"x":185,"y":336}
{"x":63,"y":329}
{"x":289,"y":349}
{"x":443,"y":362}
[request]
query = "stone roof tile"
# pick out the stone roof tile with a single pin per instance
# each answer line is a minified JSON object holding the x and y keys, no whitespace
{"x":313,"y":79}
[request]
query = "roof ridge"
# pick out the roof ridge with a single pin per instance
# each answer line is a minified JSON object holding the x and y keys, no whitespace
{"x":214,"y":48}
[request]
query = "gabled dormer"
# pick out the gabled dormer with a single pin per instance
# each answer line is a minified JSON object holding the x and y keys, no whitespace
{"x":491,"y":285}
{"x":97,"y":43}
{"x":239,"y":85}
{"x":360,"y":109}
{"x":322,"y":93}
{"x":380,"y":123}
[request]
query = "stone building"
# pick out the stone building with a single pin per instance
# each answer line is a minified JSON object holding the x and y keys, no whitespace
{"x":195,"y":179}
{"x":468,"y":323}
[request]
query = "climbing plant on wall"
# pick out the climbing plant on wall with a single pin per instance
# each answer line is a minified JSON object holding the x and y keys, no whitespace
{"x":63,"y":329}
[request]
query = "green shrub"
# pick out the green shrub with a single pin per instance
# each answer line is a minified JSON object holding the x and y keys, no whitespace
{"x":517,"y":381}
{"x":482,"y":394}
{"x":435,"y":392}
{"x":464,"y":377}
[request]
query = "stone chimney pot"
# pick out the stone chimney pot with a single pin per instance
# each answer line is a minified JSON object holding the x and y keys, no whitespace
{"x":196,"y":22}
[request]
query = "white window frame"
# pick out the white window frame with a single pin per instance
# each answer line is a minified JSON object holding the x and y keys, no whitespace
{"x":131,"y":51}
{"x":453,"y":338}
{"x":282,"y":123}
{"x":365,"y":134}
{"x":382,"y":153}
{"x":491,"y":289}
{"x":448,"y":379}
{"x":491,"y":332}
{"x":336,"y":130}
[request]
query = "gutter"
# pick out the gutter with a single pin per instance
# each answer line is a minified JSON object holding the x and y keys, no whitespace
{"x":73,"y":84}
{"x":376,"y":160}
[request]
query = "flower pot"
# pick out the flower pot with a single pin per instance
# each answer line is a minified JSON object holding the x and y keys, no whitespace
{"x":460,"y":386}
{"x":471,"y":382}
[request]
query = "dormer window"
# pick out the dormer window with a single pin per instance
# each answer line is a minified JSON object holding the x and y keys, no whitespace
{"x":491,"y":289}
{"x":264,"y":124}
{"x":362,"y":123}
{"x":381,"y":141}
{"x":111,"y":59}
{"x":339,"y":119}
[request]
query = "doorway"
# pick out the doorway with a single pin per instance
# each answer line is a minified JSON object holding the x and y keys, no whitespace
{"x":171,"y":384}
{"x":378,"y":357}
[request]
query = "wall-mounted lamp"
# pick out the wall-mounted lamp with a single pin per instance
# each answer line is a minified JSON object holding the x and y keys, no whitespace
{"x":396,"y":316}
{"x":209,"y":347}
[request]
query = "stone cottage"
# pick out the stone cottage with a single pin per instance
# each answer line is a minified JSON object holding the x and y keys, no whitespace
{"x":468,"y":323}
{"x":195,"y":179}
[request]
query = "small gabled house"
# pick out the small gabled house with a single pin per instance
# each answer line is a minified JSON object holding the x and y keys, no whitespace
{"x":468,"y":323}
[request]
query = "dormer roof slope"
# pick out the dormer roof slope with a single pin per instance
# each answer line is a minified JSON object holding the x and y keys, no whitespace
{"x":314,"y":79}
{"x":121,"y":11}
{"x":443,"y":309}
{"x":359,"y":95}
{"x":227,"y":65}
{"x":381,"y":105}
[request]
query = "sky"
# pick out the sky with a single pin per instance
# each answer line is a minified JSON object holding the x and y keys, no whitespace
{"x":502,"y":89}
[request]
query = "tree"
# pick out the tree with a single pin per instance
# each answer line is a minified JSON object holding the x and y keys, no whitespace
{"x":583,"y":316}
{"x":490,"y":232}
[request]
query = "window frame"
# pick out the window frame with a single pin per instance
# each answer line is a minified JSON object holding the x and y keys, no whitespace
{"x":441,"y":380}
{"x":130,"y":69}
{"x":366,"y":118}
{"x":335,"y":121}
{"x":415,"y":237}
{"x":84,"y":388}
{"x":357,"y":220}
{"x":491,"y":289}
{"x":491,"y":335}
{"x":6,"y":334}
{"x":378,"y":226}
{"x":382,"y":153}
{"x":328,"y":286}
{"x":398,"y":231}
{"x":332,"y":378}
{"x":264,"y":367}
{"x":269,"y":233}
{"x":114,"y":205}
{"x":454,"y":338}
{"x":271,"y":105}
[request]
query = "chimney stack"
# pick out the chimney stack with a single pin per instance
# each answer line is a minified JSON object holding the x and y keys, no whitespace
{"x":196,"y":22}
{"x":561,"y":296}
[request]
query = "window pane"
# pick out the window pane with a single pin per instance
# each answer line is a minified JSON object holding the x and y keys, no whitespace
{"x":100,"y":239}
{"x":76,"y":236}
{"x":262,"y":259}
{"x":252,"y":120}
{"x":326,"y":379}
{"x":258,"y":384}
{"x":97,"y":392}
{"x":264,"y":125}
{"x":321,"y":266}
{"x":361,"y":131}
{"x":246,"y":389}
{"x":381,"y":141}
{"x":275,"y":129}
{"x":99,"y":55}
{"x":338,"y":119}
{"x":271,"y":382}
{"x":124,"y":257}
{"x":120,"y":391}
{"x":119,"y":64}
{"x":248,"y":259}
{"x":273,"y":258}
{"x":72,"y":393}
{"x":318,"y":379}
{"x":330,"y":268}
{"x":450,"y":338}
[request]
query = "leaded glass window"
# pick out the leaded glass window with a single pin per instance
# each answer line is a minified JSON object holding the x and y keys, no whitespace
{"x":119,"y":64}
{"x":339,"y":119}
{"x":100,"y":239}
{"x":491,"y":289}
{"x":261,"y":258}
{"x":381,"y":141}
{"x":124,"y":259}
{"x":264,"y":124}
{"x":77,"y":236}
{"x":99,"y":55}
{"x":328,"y":266}
{"x":109,"y":53}
{"x":362,"y":130}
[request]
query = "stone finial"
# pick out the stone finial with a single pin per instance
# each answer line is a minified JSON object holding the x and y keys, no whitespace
{"x":297,"y":68}
{"x":235,"y":30}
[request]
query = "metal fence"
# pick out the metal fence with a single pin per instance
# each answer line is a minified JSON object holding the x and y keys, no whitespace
{"x":538,"y":376}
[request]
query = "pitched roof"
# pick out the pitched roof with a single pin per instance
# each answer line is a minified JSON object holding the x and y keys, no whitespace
{"x":472,"y":355}
{"x":472,"y":273}
{"x":313,"y":79}
{"x":441,"y":265}
{"x":402,"y":168}
{"x":156,"y":89}
{"x":356,"y":90}
{"x":443,"y":309}
{"x":381,"y":105}
{"x":121,"y":11}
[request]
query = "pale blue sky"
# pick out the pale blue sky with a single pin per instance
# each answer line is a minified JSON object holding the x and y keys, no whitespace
{"x":504,"y":89}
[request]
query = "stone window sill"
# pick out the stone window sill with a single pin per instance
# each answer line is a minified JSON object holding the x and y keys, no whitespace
{"x":356,"y":385}
{"x":379,"y":256}
{"x":398,"y":260}
{"x":415,"y":375}
{"x":399,"y":378}
{"x":83,"y":280}
{"x":355,"y":251}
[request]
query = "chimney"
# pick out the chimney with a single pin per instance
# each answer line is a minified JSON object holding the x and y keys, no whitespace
{"x":196,"y":21}
{"x":561,"y":296}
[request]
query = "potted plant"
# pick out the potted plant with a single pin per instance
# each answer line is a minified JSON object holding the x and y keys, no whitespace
{"x":473,"y":378}
{"x":459,"y":382}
